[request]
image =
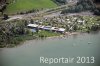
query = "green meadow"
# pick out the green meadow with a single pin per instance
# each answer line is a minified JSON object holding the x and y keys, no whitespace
{"x":25,"y":5}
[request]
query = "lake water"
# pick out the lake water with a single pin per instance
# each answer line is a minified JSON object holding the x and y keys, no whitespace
{"x":29,"y":53}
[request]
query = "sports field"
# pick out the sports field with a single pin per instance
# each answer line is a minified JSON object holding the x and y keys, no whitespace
{"x":25,"y":5}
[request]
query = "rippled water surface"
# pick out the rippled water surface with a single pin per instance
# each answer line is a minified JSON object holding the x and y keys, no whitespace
{"x":29,"y":53}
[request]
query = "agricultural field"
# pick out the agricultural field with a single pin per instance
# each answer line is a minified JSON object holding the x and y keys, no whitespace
{"x":25,"y":5}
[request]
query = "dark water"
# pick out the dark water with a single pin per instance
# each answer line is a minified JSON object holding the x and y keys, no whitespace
{"x":29,"y":53}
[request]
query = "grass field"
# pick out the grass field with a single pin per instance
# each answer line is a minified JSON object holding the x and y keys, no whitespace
{"x":25,"y":5}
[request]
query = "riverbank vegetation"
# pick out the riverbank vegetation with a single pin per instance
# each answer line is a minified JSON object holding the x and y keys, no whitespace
{"x":14,"y":32}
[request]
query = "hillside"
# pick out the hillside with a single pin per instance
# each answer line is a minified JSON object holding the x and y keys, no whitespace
{"x":81,"y":6}
{"x":25,"y":5}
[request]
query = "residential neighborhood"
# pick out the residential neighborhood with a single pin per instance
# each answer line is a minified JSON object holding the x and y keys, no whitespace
{"x":64,"y":23}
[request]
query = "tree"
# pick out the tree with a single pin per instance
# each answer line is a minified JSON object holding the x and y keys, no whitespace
{"x":97,"y":12}
{"x":75,"y":27}
{"x":5,"y":16}
{"x":94,"y":27}
{"x":3,"y":8}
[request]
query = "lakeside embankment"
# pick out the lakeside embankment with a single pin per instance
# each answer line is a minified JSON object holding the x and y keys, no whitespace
{"x":12,"y":33}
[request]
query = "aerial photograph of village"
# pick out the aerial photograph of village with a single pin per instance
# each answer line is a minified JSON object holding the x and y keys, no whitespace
{"x":49,"y":32}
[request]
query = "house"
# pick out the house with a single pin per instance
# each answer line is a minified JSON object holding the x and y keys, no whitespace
{"x":35,"y":28}
{"x":32,"y":25}
{"x":69,"y":22}
{"x":40,"y":27}
{"x":47,"y":28}
{"x":67,"y":19}
{"x":81,"y":22}
{"x":54,"y":29}
{"x":61,"y":30}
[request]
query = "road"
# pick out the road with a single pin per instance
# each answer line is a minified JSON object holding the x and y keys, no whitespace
{"x":42,"y":13}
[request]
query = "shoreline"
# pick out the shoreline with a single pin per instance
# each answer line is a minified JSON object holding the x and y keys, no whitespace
{"x":51,"y":37}
{"x":67,"y":34}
